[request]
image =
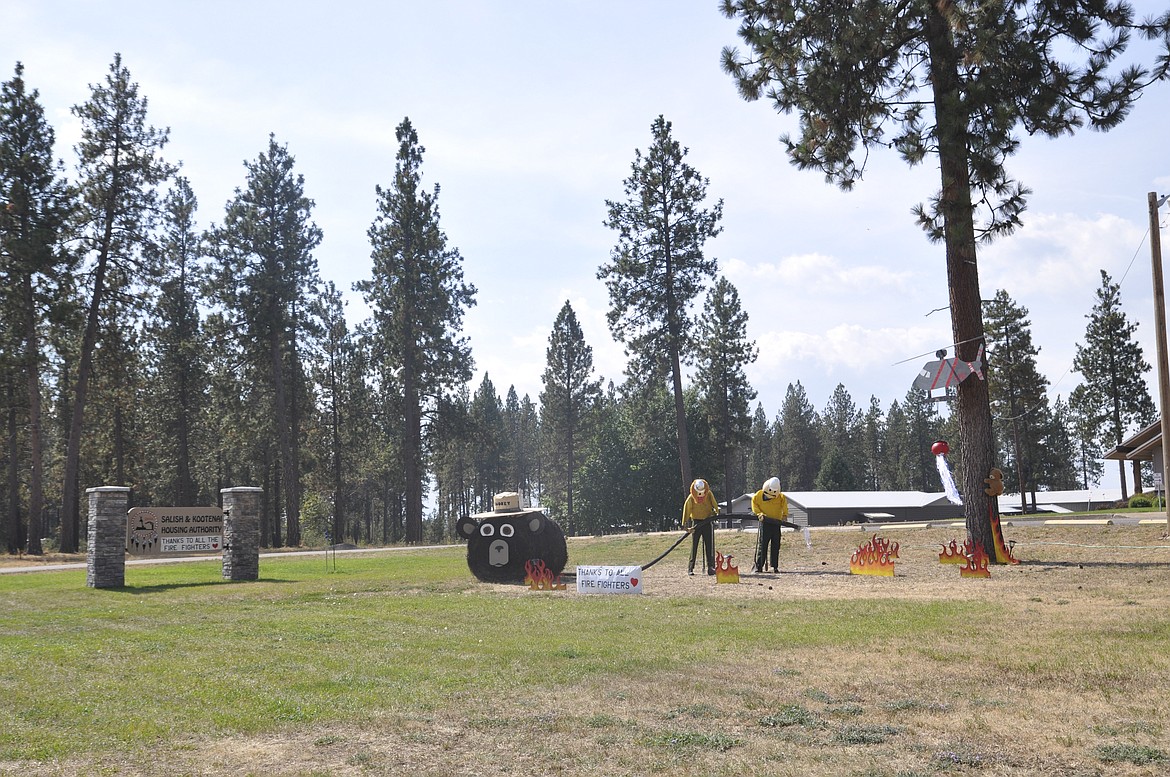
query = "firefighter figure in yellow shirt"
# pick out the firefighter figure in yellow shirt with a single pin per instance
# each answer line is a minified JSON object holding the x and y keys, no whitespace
{"x":771,"y":507}
{"x":698,"y":517}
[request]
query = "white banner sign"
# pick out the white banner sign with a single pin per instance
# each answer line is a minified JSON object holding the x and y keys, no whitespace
{"x":609,"y":580}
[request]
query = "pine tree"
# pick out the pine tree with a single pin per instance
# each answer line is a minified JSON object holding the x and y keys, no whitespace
{"x":760,"y":463}
{"x":266,"y":279}
{"x":897,"y":453}
{"x":418,"y":298}
{"x":840,"y":434}
{"x":798,"y":435}
{"x":1081,"y":429}
{"x":871,"y":447}
{"x":35,"y":204}
{"x":955,"y":79}
{"x":1114,"y":396}
{"x":339,"y":376}
{"x":723,"y":351}
{"x":487,"y":418}
{"x":658,"y":266}
{"x":616,"y":501}
{"x":567,"y":405}
{"x":923,"y":427}
{"x":1018,"y":392}
{"x":120,"y":170}
{"x":180,"y":381}
{"x":452,"y":446}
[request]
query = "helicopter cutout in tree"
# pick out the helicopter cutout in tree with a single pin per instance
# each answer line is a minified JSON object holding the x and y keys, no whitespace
{"x":937,"y":377}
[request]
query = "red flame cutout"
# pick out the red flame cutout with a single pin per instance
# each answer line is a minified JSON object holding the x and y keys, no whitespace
{"x":875,"y":557}
{"x":724,"y":571}
{"x":953,"y":554}
{"x":541,"y":578}
{"x":1003,"y":553}
{"x":976,"y":565}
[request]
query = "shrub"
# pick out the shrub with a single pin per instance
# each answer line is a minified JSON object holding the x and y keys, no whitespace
{"x":1140,"y":500}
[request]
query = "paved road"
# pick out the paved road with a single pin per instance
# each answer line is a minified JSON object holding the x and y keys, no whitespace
{"x":11,"y":570}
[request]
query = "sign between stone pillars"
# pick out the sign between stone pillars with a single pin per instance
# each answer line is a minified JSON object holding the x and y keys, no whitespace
{"x":156,"y":531}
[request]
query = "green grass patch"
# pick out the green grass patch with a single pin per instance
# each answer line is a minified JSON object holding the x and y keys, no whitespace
{"x":180,"y":649}
{"x":1139,"y":755}
{"x":692,"y":740}
{"x":790,"y":715}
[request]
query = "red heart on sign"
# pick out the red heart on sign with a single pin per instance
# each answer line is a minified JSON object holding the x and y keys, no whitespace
{"x":633,"y":582}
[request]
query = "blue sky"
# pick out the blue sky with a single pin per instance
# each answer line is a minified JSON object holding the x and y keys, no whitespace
{"x":530,"y":113}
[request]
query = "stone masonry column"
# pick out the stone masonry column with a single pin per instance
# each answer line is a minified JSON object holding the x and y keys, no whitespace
{"x":105,"y":553}
{"x":241,"y":533}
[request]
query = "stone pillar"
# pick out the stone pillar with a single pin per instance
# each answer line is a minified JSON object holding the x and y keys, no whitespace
{"x":105,"y":553}
{"x":241,"y":533}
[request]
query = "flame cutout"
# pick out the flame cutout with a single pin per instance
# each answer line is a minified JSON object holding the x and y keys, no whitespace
{"x":976,"y":565}
{"x":724,"y":571}
{"x":1003,"y":553}
{"x":875,"y":557}
{"x":540,"y":578}
{"x":953,"y":554}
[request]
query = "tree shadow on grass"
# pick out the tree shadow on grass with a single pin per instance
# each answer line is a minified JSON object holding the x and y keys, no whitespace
{"x":1151,"y":565}
{"x":149,"y":589}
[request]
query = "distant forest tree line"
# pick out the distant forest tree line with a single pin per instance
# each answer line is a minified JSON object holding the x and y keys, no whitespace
{"x":140,"y":349}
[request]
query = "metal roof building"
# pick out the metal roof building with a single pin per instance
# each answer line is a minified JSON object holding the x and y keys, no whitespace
{"x":834,"y":508}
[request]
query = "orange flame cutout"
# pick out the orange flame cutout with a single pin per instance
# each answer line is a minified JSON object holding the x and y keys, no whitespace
{"x":1003,"y":553}
{"x":976,"y":565}
{"x":540,"y":578}
{"x":875,"y":557}
{"x":724,"y":571}
{"x":953,"y":554}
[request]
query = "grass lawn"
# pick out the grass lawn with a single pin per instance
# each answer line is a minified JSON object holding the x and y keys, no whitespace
{"x":400,"y":662}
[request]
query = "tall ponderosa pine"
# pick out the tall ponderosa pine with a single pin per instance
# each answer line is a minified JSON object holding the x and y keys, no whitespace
{"x":488,"y":443}
{"x":840,"y":434}
{"x":266,"y":280}
{"x":871,"y":445}
{"x":1114,"y":394}
{"x":567,"y":403}
{"x":1018,"y":392}
{"x":338,"y":376}
{"x":798,"y":438}
{"x":658,"y":266}
{"x":723,"y":351}
{"x":35,"y":203}
{"x":956,"y":79}
{"x":180,"y":383}
{"x":418,"y":298}
{"x":119,"y":172}
{"x":760,"y":463}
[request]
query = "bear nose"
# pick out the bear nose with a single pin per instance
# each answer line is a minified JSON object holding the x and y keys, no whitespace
{"x":498,"y":553}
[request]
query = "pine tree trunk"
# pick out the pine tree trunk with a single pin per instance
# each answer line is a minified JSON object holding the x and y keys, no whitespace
{"x":680,"y":417}
{"x":12,"y":521}
{"x":71,"y":488}
{"x":284,"y":434}
{"x":36,"y":486}
{"x":974,"y":402}
{"x":412,"y":450}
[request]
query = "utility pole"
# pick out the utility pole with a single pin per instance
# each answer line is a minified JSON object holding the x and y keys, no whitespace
{"x":1160,"y":339}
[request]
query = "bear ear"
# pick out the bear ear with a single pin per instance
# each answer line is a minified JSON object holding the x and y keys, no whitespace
{"x":467,"y":527}
{"x":536,"y":523}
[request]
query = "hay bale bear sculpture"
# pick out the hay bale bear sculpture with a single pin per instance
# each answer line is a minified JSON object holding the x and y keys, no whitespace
{"x":501,"y":544}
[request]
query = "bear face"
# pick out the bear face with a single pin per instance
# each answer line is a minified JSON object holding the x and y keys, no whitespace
{"x":499,"y":546}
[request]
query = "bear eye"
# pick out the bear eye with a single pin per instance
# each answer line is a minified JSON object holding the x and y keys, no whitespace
{"x":507,"y":530}
{"x":487,"y":530}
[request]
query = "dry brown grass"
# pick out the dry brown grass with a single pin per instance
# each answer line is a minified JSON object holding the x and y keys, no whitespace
{"x":1062,"y":668}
